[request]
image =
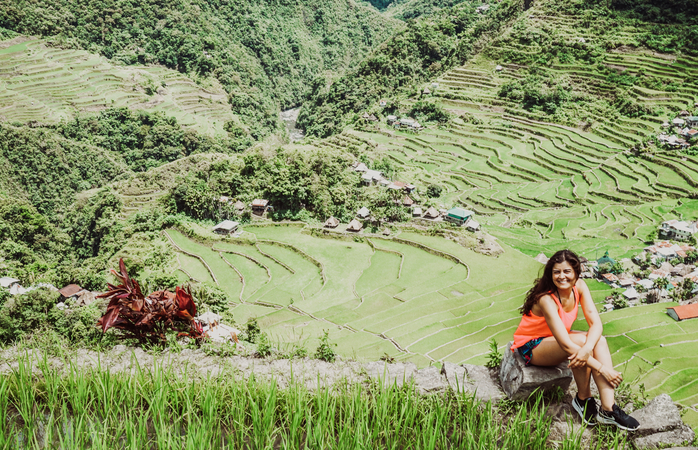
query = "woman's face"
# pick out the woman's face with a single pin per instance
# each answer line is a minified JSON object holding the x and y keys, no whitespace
{"x":564,"y":276}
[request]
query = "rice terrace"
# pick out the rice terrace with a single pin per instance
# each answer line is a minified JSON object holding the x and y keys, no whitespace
{"x":552,"y":126}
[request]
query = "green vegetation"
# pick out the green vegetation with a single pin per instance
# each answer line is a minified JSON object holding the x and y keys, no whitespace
{"x":264,"y":55}
{"x":425,"y":49}
{"x":169,"y":408}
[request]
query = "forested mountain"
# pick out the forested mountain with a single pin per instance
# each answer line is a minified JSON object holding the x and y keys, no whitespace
{"x":264,"y":53}
{"x":425,"y":49}
{"x":336,"y":58}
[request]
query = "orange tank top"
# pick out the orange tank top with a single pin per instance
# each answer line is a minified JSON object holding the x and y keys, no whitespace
{"x":532,"y":326}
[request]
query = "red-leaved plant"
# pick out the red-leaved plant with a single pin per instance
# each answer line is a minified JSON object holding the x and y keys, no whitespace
{"x":148,"y":319}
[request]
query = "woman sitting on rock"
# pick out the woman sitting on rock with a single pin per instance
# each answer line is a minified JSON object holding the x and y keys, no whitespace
{"x":543,"y":338}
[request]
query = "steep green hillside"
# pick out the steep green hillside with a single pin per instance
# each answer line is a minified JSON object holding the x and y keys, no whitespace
{"x":425,"y":49}
{"x":264,"y":54}
{"x":49,"y":84}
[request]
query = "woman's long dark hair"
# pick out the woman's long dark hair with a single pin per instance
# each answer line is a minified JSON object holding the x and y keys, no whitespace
{"x":545,"y":284}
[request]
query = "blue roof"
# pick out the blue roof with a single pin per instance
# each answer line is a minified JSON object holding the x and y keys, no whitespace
{"x":460,"y":212}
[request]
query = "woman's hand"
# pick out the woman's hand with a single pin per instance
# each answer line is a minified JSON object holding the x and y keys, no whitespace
{"x":580,"y":358}
{"x":611,"y":375}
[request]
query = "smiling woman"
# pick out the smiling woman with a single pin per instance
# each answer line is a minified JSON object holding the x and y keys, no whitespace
{"x":544,"y":338}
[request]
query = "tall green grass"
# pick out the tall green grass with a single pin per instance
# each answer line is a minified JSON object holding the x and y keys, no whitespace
{"x":164,"y":408}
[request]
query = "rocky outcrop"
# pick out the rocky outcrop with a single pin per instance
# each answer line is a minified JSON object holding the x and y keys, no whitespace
{"x":478,"y":380}
{"x":661,"y":425}
{"x":519,"y":381}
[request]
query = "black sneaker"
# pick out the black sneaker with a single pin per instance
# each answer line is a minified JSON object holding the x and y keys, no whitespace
{"x":619,"y":418}
{"x":586,"y":409}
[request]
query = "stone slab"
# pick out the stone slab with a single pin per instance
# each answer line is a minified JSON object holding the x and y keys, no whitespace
{"x":520,"y":381}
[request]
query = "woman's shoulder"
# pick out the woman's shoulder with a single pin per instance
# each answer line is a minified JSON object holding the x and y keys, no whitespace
{"x":547,"y":300}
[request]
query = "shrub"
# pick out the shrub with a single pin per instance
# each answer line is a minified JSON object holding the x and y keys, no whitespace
{"x":263,"y":346}
{"x":325,"y":351}
{"x":619,"y":302}
{"x":252,"y":329}
{"x":434,"y":191}
{"x":494,"y":357}
{"x":148,"y":320}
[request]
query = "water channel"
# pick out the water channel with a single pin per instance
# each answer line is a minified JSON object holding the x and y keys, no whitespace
{"x":289,"y":117}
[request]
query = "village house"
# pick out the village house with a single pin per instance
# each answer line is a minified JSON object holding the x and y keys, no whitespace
{"x":678,"y":230}
{"x":408,"y":123}
{"x":359,"y":167}
{"x":391,"y":119}
{"x":383,"y":103}
{"x":692,"y":121}
{"x":371,"y":177}
{"x":397,"y":186}
{"x":432,"y":213}
{"x":260,"y":206}
{"x":75,"y":293}
{"x":458,"y":215}
{"x":227,"y":227}
{"x":472,"y":224}
{"x":610,"y":279}
{"x":678,"y":122}
{"x":69,"y":291}
{"x":417,"y":212}
{"x":683,"y":312}
{"x":239,"y":206}
{"x":363,"y":213}
{"x":355,"y":226}
{"x":605,"y":259}
{"x":332,"y":222}
{"x":631,"y":294}
{"x":426,"y":91}
{"x":407,"y":201}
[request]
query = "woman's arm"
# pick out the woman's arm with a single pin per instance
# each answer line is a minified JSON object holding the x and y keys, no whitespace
{"x":595,"y":326}
{"x":557,"y":327}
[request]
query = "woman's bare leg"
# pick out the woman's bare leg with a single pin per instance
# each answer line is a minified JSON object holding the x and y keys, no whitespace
{"x":606,"y":391}
{"x":549,"y":353}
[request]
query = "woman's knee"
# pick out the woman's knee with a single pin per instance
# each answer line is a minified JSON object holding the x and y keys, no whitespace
{"x":578,"y":338}
{"x":602,"y":342}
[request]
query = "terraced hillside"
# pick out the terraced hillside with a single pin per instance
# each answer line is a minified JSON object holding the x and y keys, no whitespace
{"x":46,"y":84}
{"x":372,"y":294}
{"x":539,"y":185}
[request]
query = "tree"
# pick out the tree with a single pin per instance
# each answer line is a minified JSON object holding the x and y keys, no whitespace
{"x":616,"y":268}
{"x":661,"y":283}
{"x":653,"y":296}
{"x":434,"y":191}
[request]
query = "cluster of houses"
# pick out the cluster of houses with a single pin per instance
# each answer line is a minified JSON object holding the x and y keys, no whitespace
{"x":71,"y":293}
{"x":456,"y":215}
{"x":230,"y":227}
{"x":685,"y":127}
{"x":405,"y":123}
{"x":370,"y":177}
{"x":665,"y":259}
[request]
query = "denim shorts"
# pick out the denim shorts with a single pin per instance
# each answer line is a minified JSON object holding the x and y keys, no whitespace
{"x":526,"y":350}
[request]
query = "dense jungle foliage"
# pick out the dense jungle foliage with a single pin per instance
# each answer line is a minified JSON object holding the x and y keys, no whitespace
{"x":303,"y":183}
{"x":423,"y":50}
{"x":48,"y":165}
{"x":265,"y":54}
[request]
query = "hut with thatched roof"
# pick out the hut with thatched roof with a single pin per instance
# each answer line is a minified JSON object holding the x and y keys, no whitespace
{"x":332,"y":222}
{"x":355,"y":226}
